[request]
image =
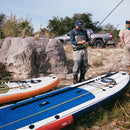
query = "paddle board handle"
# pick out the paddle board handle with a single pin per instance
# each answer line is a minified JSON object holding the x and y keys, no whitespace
{"x":44,"y":103}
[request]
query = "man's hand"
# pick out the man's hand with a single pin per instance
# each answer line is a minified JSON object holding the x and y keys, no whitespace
{"x":122,"y":40}
{"x":81,"y":42}
{"x":87,"y":43}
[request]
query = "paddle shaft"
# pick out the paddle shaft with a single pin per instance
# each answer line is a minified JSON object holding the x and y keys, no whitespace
{"x":26,"y":82}
{"x":11,"y":88}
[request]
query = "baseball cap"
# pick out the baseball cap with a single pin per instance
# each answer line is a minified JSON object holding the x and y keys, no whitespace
{"x":127,"y":21}
{"x":79,"y":23}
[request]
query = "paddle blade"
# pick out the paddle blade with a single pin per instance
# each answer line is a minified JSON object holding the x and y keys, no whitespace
{"x":3,"y":88}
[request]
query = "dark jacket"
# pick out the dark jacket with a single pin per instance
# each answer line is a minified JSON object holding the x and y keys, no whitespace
{"x":75,"y":32}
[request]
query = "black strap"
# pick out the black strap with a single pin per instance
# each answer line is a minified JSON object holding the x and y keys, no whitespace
{"x":83,"y":31}
{"x":76,"y":48}
{"x":75,"y":31}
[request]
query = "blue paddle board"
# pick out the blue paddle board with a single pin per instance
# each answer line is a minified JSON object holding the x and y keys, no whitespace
{"x":58,"y":109}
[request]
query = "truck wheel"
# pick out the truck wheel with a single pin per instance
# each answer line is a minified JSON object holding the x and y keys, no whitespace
{"x":99,"y":44}
{"x":62,"y":40}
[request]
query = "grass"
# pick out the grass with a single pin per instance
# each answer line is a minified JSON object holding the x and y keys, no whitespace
{"x":100,"y":61}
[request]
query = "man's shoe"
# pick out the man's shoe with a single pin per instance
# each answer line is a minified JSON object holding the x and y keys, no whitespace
{"x":75,"y":80}
{"x":82,"y":78}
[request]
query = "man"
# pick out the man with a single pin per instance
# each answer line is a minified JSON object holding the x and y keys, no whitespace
{"x":125,"y":39}
{"x":79,"y":39}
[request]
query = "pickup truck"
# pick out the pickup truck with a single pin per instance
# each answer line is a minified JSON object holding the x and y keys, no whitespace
{"x":97,"y":40}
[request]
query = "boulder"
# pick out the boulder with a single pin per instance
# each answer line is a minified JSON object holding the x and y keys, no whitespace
{"x":28,"y":57}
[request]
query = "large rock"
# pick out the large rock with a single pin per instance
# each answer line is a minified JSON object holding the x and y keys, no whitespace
{"x":27,"y":57}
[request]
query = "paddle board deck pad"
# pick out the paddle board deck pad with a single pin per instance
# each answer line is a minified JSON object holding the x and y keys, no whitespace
{"x":17,"y":90}
{"x":57,"y":109}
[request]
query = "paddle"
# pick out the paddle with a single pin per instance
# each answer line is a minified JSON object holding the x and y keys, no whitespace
{"x":4,"y":88}
{"x":29,"y":81}
{"x":53,"y":94}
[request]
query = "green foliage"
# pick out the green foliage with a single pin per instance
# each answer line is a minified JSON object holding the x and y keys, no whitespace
{"x":61,"y":25}
{"x":45,"y":33}
{"x":2,"y":19}
{"x":10,"y":27}
{"x":4,"y":74}
{"x":25,"y":28}
{"x":109,"y":28}
{"x":57,"y":26}
{"x":1,"y":33}
{"x":13,"y":27}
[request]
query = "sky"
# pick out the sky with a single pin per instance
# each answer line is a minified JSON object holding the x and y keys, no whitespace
{"x":41,"y":11}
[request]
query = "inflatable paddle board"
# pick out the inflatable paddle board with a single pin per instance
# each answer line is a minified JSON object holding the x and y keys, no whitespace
{"x":16,"y":90}
{"x":57,"y":109}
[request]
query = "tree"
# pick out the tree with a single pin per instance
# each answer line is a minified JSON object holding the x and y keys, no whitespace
{"x":10,"y":26}
{"x":56,"y":25}
{"x":87,"y":18}
{"x":13,"y":27}
{"x":61,"y":25}
{"x":2,"y":19}
{"x":25,"y":28}
{"x":109,"y":28}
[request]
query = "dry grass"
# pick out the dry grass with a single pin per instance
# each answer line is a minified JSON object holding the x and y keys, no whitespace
{"x":4,"y":75}
{"x":100,"y":61}
{"x":37,"y":38}
{"x":49,"y":35}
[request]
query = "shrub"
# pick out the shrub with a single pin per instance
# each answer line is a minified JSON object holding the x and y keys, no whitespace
{"x":4,"y":74}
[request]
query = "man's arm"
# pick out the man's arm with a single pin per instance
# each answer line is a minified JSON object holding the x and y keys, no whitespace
{"x":73,"y":41}
{"x":87,"y":39}
{"x":121,"y":35}
{"x":122,"y":40}
{"x":72,"y":38}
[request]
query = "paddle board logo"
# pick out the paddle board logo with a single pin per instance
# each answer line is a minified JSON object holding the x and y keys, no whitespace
{"x":107,"y":80}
